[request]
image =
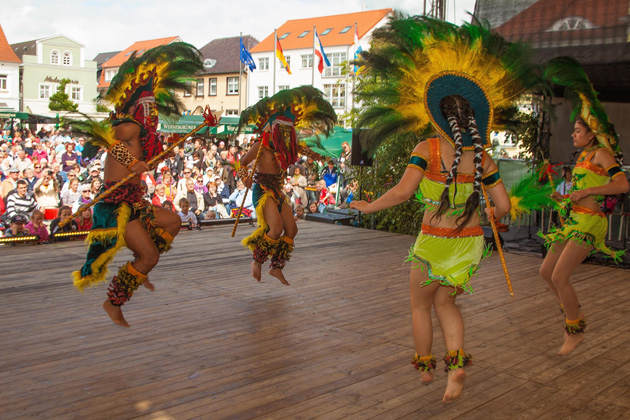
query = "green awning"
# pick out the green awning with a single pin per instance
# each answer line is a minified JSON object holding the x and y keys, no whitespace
{"x":184,"y":125}
{"x":12,"y":113}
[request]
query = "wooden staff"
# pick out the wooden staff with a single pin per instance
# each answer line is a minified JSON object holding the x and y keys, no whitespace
{"x":240,"y":210}
{"x":208,"y":120}
{"x":497,"y":241}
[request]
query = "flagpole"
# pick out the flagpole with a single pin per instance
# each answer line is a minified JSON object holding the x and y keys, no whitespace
{"x":354,"y":73}
{"x":248,"y":84}
{"x":313,"y":67}
{"x":275,"y":58}
{"x":240,"y":75}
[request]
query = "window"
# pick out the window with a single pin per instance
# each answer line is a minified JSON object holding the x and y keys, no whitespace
{"x":232,"y":85}
{"x":44,"y":91}
{"x":285,"y":35}
{"x":212,"y":86}
{"x":571,"y":23}
{"x":263,"y":63}
{"x":109,"y":74}
{"x":188,"y":89}
{"x":346,"y":29}
{"x":67,"y":58}
{"x":3,"y":81}
{"x":336,"y":59}
{"x":303,"y":34}
{"x":231,"y":112}
{"x":76,"y":93}
{"x":54,"y":57}
{"x":325,"y":32}
{"x":307,"y":61}
{"x":281,"y":66}
{"x":199,"y":87}
{"x":283,"y":87}
{"x":336,"y":94}
{"x":263,"y":92}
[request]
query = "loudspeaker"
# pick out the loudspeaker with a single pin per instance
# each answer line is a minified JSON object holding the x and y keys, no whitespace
{"x":336,"y":219}
{"x":359,"y":157}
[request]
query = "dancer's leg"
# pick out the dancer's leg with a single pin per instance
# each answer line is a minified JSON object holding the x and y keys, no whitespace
{"x":274,"y":223}
{"x":421,"y":299}
{"x":549,"y":263}
{"x":285,"y":244}
{"x":452,"y":326}
{"x":571,"y":257}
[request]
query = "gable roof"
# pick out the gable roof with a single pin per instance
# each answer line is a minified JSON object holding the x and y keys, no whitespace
{"x":599,"y":21}
{"x":497,"y":12}
{"x":139,"y":47}
{"x":225,"y":52}
{"x":337,"y":23}
{"x":103,"y":57}
{"x":6,"y":52}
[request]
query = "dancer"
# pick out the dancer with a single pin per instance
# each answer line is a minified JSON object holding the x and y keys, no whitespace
{"x":143,"y":87}
{"x":277,"y":119}
{"x":596,"y":174}
{"x":443,"y":76}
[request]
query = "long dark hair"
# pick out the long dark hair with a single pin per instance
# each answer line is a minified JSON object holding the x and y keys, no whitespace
{"x":457,"y":111}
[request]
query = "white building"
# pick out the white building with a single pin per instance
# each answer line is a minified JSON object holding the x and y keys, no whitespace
{"x":9,"y":76}
{"x":296,"y":38}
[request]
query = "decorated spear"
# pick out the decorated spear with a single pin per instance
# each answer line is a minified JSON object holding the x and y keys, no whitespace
{"x":209,"y":120}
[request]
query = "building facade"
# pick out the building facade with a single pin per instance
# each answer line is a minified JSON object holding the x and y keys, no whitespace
{"x":223,"y":83}
{"x":9,"y":76}
{"x":45,"y":63}
{"x":296,"y":38}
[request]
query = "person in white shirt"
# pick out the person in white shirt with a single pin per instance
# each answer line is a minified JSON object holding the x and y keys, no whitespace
{"x":185,"y":214}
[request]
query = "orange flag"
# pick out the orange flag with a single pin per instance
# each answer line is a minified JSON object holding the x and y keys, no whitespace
{"x":280,"y":56}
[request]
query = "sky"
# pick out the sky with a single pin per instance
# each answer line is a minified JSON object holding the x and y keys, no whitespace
{"x":113,"y":25}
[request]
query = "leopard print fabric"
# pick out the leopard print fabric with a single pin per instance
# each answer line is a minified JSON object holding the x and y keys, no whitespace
{"x":122,"y":155}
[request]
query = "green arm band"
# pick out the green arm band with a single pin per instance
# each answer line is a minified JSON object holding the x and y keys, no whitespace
{"x":613,"y":170}
{"x":418,"y":162}
{"x":492,"y":179}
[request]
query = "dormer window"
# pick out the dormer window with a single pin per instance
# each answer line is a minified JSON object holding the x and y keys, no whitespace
{"x":571,"y":23}
{"x":54,"y":57}
{"x":326,"y":31}
{"x":285,"y":35}
{"x":303,"y":34}
{"x":346,"y":29}
{"x":66,"y":59}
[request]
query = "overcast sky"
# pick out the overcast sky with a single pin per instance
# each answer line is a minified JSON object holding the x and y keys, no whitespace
{"x":112,"y":25}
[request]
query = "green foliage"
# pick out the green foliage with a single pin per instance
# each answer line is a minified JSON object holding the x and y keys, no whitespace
{"x":390,"y":162}
{"x":60,"y":101}
{"x":101,"y":108}
{"x":526,"y":133}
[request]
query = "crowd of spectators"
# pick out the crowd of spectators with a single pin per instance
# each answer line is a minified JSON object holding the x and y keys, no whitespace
{"x":45,"y":179}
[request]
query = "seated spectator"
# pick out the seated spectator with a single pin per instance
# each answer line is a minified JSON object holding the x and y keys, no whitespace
{"x":195,"y":199}
{"x":185,"y":214}
{"x":64,"y":213}
{"x":324,"y":196}
{"x":200,"y":186}
{"x":37,"y":227}
{"x":10,"y":182}
{"x":20,"y":201}
{"x":84,"y":221}
{"x":169,"y":187}
{"x":46,"y":192}
{"x":236,"y":199}
{"x":84,"y":199}
{"x":312,"y":208}
{"x":299,"y":212}
{"x":213,"y":201}
{"x":211,"y":215}
{"x":160,"y":196}
{"x":168,"y":205}
{"x":17,"y":226}
{"x":71,"y":194}
{"x":95,"y":187}
{"x":30,"y":178}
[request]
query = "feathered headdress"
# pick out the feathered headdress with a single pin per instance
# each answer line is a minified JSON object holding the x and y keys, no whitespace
{"x":286,"y":112}
{"x":417,"y":61}
{"x":567,"y":72}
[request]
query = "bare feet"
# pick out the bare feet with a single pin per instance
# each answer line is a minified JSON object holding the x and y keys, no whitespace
{"x":256,"y":267}
{"x":454,"y":385}
{"x":148,"y":285}
{"x":426,"y":376}
{"x":571,"y":341}
{"x":277,"y":273}
{"x":115,"y":313}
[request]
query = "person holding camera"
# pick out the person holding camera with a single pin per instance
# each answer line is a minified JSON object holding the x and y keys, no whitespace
{"x":46,"y":191}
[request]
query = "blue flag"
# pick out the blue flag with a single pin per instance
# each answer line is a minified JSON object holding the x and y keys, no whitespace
{"x":246,"y":57}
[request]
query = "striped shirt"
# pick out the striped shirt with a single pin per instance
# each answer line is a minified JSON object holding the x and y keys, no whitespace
{"x":17,"y":204}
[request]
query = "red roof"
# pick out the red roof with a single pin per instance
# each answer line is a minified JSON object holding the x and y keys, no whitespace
{"x":6,"y":52}
{"x":341,"y":30}
{"x":535,"y":23}
{"x":139,"y":47}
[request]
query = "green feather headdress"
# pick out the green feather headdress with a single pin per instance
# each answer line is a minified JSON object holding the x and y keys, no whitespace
{"x":567,"y":72}
{"x":304,"y":105}
{"x":414,"y":62}
{"x":161,"y":70}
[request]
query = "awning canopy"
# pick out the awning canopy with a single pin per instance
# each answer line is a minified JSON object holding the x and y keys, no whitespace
{"x":12,"y":113}
{"x":227,"y":126}
{"x":330,"y":146}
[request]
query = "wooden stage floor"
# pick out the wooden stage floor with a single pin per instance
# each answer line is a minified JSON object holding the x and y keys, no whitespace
{"x":211,"y":343}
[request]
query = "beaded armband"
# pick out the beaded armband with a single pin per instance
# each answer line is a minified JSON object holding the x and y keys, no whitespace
{"x":613,"y":171}
{"x":122,"y":155}
{"x":243,"y":172}
{"x":492,"y":178}
{"x":418,"y":162}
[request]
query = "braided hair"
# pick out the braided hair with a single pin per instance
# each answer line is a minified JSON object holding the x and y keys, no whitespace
{"x":457,"y":111}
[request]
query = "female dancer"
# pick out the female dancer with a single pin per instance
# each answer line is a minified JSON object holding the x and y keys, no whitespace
{"x":597,"y":173}
{"x":451,"y":245}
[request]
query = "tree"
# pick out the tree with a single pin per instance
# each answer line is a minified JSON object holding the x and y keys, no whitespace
{"x":60,"y":101}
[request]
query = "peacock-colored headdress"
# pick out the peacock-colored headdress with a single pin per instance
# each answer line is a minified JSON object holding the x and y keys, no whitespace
{"x":567,"y":72}
{"x":418,"y":61}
